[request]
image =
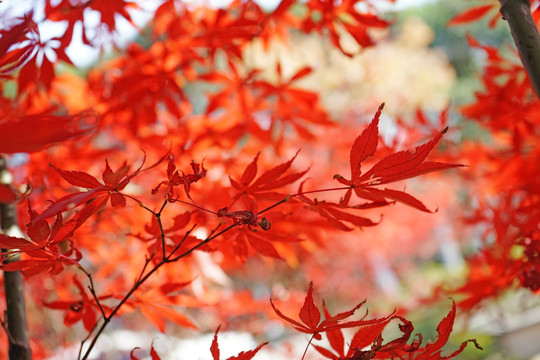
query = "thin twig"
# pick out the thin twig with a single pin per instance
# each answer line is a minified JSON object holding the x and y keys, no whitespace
{"x":143,"y":276}
{"x":307,"y":346}
{"x":141,"y":281}
{"x":93,"y":292}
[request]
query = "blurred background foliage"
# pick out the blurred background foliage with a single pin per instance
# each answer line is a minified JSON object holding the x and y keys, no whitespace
{"x":419,"y":64}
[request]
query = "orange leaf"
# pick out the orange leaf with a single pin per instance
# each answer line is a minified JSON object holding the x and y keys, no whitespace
{"x":470,"y":15}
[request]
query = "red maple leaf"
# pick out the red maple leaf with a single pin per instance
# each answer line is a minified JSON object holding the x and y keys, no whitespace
{"x":225,"y":30}
{"x":311,"y":318}
{"x":144,"y":94}
{"x":337,"y":215}
{"x":294,"y":105}
{"x":327,"y":16}
{"x":98,"y":193}
{"x":29,"y":52}
{"x":83,"y":308}
{"x":475,"y":13}
{"x":175,"y":179}
{"x":364,"y":337}
{"x":43,"y":251}
{"x":11,"y":36}
{"x":110,"y":11}
{"x":432,"y":351}
{"x":394,"y":167}
{"x":251,"y":189}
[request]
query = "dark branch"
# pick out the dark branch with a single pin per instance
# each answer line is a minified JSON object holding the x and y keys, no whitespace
{"x":19,"y":348}
{"x":525,"y":34}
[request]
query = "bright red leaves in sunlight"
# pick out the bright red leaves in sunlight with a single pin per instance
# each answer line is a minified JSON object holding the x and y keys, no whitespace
{"x":394,"y":167}
{"x":48,"y":248}
{"x":369,"y":334}
{"x":175,"y":179}
{"x":190,"y":85}
{"x":342,"y":14}
{"x":110,"y":11}
{"x":310,"y":317}
{"x":336,"y":214}
{"x":251,"y":189}
{"x":84,"y":308}
{"x":30,"y":54}
{"x":98,"y":194}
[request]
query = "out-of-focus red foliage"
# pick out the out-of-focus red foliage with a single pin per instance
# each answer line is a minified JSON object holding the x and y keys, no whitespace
{"x":369,"y":334}
{"x":503,"y":181}
{"x":242,"y":174}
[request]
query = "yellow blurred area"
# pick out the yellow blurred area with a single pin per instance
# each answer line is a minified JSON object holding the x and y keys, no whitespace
{"x":401,"y":70}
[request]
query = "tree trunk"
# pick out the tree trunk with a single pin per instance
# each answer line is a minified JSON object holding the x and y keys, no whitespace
{"x":15,"y":314}
{"x":525,"y":34}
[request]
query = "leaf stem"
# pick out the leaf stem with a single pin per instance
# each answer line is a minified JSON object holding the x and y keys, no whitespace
{"x":321,"y":190}
{"x":307,"y":346}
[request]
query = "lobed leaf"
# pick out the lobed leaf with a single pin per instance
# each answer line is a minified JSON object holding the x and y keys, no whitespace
{"x":309,"y":314}
{"x":78,"y":178}
{"x":397,"y":164}
{"x":365,"y":145}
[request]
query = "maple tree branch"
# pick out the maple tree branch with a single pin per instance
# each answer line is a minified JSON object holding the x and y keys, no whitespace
{"x":141,"y":280}
{"x":146,"y":262}
{"x":526,"y":37}
{"x":19,"y":347}
{"x":92,"y":289}
{"x":107,"y":319}
{"x":86,"y":339}
{"x":287,"y":198}
{"x":206,"y":241}
{"x":191,"y":204}
{"x":162,"y":234}
{"x":180,"y":242}
{"x":165,"y":260}
{"x":321,"y":190}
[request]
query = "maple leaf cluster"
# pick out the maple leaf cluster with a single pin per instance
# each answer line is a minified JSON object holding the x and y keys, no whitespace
{"x":368,"y":342}
{"x":235,"y":172}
